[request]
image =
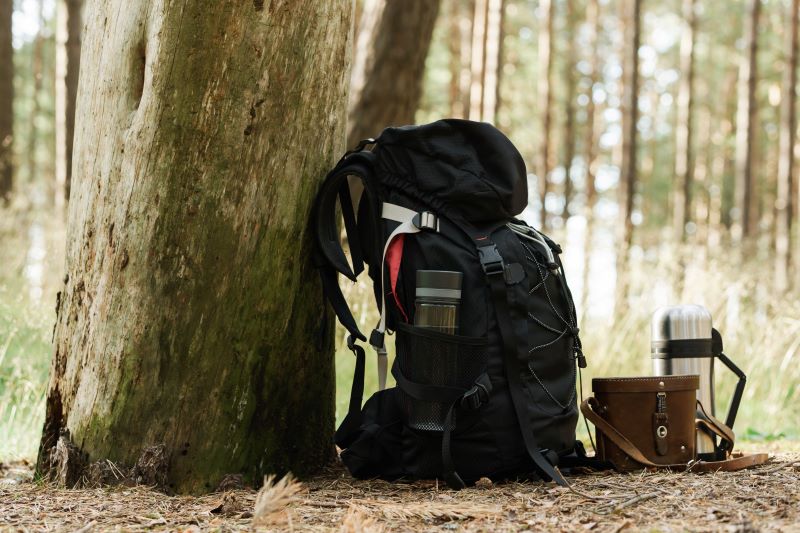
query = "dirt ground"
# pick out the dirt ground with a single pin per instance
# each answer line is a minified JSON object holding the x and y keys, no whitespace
{"x":766,"y":498}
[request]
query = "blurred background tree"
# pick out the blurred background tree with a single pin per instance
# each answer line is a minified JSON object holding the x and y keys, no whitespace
{"x":660,"y":139}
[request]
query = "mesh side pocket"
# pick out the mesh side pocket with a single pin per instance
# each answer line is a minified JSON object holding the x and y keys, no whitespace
{"x":429,"y":357}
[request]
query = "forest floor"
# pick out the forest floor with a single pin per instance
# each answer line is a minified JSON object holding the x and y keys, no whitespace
{"x":765,"y":498}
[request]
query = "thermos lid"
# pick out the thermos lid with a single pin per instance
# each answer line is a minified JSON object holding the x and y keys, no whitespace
{"x":439,"y":284}
{"x":681,"y":323}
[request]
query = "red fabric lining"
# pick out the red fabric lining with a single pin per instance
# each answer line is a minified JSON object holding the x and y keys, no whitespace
{"x":394,"y":256}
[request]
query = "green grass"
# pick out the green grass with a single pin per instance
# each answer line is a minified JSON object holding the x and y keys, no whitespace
{"x":24,"y":358}
{"x":26,"y":325}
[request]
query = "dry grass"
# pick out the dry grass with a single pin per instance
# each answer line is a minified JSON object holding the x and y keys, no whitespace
{"x":766,"y":498}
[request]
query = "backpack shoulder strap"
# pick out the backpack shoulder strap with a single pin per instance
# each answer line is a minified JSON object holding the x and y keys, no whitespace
{"x":498,"y":276}
{"x":349,"y":183}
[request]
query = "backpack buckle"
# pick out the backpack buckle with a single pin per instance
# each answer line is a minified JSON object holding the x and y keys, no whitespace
{"x":426,"y":220}
{"x":491,"y":260}
{"x":478,"y":395}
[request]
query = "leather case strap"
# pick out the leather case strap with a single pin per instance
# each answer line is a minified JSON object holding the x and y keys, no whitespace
{"x":733,"y":463}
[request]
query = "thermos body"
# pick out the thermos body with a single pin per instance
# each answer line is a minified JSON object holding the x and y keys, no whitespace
{"x":686,"y":323}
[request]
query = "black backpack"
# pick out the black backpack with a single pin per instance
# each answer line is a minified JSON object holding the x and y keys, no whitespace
{"x":497,"y":400}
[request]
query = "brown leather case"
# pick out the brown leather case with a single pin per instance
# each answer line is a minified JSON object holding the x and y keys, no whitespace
{"x":656,"y":415}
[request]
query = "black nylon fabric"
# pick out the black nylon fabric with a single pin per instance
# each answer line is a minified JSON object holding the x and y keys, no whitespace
{"x":466,"y":171}
{"x":465,"y":167}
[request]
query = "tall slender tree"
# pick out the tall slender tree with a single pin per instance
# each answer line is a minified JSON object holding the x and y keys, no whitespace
{"x":746,"y":111}
{"x":389,"y":68}
{"x":6,"y":99}
{"x":545,"y":99}
{"x":74,"y":28}
{"x":684,"y":156}
{"x":492,"y":60}
{"x":68,"y":55}
{"x":590,"y":142}
{"x":570,"y":66}
{"x":628,"y":165}
{"x":189,"y":292}
{"x":454,"y":39}
{"x":37,"y":72}
{"x":788,"y":126}
{"x":478,"y":59}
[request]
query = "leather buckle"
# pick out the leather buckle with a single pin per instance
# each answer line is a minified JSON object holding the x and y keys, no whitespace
{"x":491,"y":260}
{"x":425,"y":220}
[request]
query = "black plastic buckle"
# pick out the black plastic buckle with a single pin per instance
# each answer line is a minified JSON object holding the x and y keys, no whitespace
{"x":376,"y":338}
{"x":426,"y":220}
{"x":491,"y":260}
{"x":475,"y":397}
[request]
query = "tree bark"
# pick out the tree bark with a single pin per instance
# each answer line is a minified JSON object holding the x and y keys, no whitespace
{"x":684,"y":158}
{"x":545,"y":100}
{"x":387,"y":78}
{"x":190,"y":314}
{"x":6,"y":100}
{"x":630,"y":114}
{"x":569,"y":107}
{"x":788,"y":126}
{"x":745,"y":220}
{"x":590,"y":144}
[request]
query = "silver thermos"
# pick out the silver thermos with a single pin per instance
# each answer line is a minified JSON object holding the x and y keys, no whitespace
{"x":682,"y":342}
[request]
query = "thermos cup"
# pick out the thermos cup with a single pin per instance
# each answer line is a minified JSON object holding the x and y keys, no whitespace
{"x":684,"y":342}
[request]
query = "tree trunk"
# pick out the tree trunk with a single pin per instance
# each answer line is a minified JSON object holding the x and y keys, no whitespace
{"x":203,"y":133}
{"x":590,"y":145}
{"x":745,"y":220}
{"x":783,"y":205}
{"x":684,"y":158}
{"x":569,"y":111}
{"x":454,"y":39}
{"x":68,"y":56}
{"x":74,"y":27}
{"x":492,"y":60}
{"x":465,"y":81}
{"x":630,"y":114}
{"x":700,"y":174}
{"x":33,"y":116}
{"x":6,"y":99}
{"x":477,"y":62}
{"x":387,"y":82}
{"x":545,"y":100}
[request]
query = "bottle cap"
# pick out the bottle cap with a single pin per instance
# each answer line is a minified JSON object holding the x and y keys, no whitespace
{"x":444,"y":284}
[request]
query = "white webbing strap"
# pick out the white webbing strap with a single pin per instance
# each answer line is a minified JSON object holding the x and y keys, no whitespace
{"x":405,"y":217}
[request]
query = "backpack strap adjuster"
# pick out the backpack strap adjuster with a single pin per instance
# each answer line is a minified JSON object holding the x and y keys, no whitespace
{"x":491,"y":260}
{"x":425,"y":220}
{"x":478,"y":395}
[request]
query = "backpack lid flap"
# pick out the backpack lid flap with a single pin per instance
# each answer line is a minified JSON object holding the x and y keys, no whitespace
{"x":469,"y":167}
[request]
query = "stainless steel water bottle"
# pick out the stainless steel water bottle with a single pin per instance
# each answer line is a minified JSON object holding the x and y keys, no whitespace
{"x":683,"y":341}
{"x":438,"y":298}
{"x":671,"y":327}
